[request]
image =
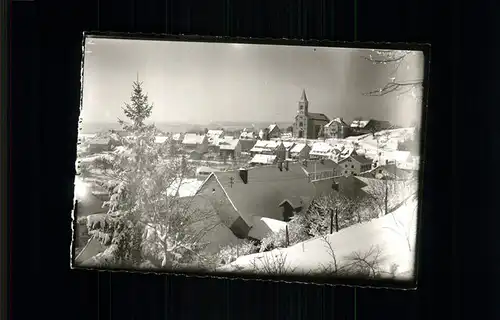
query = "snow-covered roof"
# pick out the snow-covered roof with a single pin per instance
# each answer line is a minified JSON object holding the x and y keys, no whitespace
{"x":100,"y":141}
{"x":337,"y":120}
{"x":205,"y":169}
{"x":298,"y":147}
{"x":263,"y":159}
{"x":192,"y":138}
{"x":318,"y":116}
{"x":214,"y":133}
{"x":288,"y":144}
{"x":263,"y":227}
{"x":264,"y":145}
{"x":186,"y":187}
{"x":228,"y":144}
{"x":321,"y":148}
{"x":359,"y":123}
{"x":160,"y":139}
{"x":247,"y":135}
{"x":272,"y":127}
{"x":177,"y":136}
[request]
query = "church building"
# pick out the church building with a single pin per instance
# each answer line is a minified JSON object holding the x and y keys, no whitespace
{"x":308,"y":124}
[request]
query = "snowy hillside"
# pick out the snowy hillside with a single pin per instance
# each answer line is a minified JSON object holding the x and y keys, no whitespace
{"x":391,"y":237}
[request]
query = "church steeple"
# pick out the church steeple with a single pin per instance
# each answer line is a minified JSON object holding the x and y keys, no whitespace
{"x":303,"y":98}
{"x":303,"y":104}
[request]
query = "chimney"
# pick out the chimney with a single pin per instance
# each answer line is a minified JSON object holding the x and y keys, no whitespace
{"x":244,"y":175}
{"x":286,"y":165}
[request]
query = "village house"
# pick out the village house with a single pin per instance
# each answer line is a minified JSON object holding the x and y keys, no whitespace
{"x":336,"y":129}
{"x":354,"y":164}
{"x":300,"y":151}
{"x":248,"y":135}
{"x":177,"y":138}
{"x":281,"y":152}
{"x":321,"y":169}
{"x":369,"y":126}
{"x":272,"y":132}
{"x":268,"y":192}
{"x":213,"y":136}
{"x":202,"y":173}
{"x":99,"y":145}
{"x":247,"y":145}
{"x":264,"y":147}
{"x":308,"y":124}
{"x":120,"y":133}
{"x":195,"y":155}
{"x":321,"y":150}
{"x":195,"y":142}
{"x":230,"y":148}
{"x":161,"y":139}
{"x":387,"y":171}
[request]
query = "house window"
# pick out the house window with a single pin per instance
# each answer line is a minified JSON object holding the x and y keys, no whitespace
{"x":346,"y":165}
{"x":300,"y":124}
{"x":352,"y":166}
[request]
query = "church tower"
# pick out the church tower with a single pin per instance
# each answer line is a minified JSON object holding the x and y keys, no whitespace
{"x":300,"y":126}
{"x":303,"y":104}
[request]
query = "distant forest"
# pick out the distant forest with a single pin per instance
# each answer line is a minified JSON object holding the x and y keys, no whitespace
{"x":182,"y":127}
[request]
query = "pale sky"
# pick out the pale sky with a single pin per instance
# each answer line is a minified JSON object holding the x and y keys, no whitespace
{"x":193,"y":82}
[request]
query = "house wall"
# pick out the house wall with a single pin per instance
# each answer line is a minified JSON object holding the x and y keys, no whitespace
{"x":304,"y":153}
{"x":275,"y":133}
{"x":98,"y":148}
{"x":280,"y":152}
{"x":203,"y":147}
{"x":337,"y":131}
{"x":237,"y":150}
{"x":349,"y":166}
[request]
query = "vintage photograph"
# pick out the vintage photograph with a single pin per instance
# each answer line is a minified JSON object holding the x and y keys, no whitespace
{"x":235,"y":158}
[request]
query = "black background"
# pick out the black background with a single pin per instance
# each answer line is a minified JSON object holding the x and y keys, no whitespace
{"x":458,"y":236}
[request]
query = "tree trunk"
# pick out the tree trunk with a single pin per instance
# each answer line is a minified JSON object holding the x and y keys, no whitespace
{"x":336,"y":221}
{"x":331,"y":221}
{"x":386,"y":198}
{"x":287,"y":238}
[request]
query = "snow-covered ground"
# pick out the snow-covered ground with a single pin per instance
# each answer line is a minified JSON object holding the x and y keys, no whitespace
{"x":393,"y":235}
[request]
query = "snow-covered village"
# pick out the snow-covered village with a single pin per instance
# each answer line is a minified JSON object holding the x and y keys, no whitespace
{"x":314,"y":191}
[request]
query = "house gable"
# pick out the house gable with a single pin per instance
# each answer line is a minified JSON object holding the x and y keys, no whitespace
{"x":212,"y":193}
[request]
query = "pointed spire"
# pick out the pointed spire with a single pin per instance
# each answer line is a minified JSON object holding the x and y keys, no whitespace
{"x":303,"y":97}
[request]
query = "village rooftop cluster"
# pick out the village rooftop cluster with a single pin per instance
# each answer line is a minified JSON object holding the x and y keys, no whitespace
{"x":268,"y":176}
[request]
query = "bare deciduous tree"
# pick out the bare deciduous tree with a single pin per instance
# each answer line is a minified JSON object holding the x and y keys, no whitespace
{"x":317,"y":219}
{"x":396,"y":59}
{"x":272,"y":264}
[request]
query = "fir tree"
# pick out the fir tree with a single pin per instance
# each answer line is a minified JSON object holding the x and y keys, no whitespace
{"x":139,"y":109}
{"x":146,"y":219}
